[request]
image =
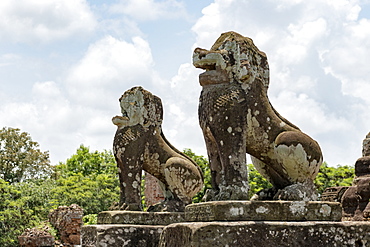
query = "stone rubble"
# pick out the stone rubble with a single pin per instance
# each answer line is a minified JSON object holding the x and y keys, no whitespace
{"x":68,"y":222}
{"x":36,"y":237}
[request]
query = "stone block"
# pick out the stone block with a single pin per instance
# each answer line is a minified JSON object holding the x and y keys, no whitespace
{"x":264,"y":211}
{"x":266,"y":234}
{"x":39,"y":241}
{"x":140,"y":218}
{"x":121,"y":235}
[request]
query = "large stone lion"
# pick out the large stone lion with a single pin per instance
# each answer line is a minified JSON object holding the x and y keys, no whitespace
{"x":237,"y":118}
{"x":139,"y":144}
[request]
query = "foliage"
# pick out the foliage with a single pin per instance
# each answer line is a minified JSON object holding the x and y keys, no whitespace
{"x":15,"y":214}
{"x":256,"y":181}
{"x":204,"y":166}
{"x":331,"y":176}
{"x":88,"y":179}
{"x":88,"y":163}
{"x":90,"y":219}
{"x":20,"y":158}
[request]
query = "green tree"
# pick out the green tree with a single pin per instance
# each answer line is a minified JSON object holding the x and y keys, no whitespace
{"x":20,"y":157}
{"x":334,"y":176}
{"x":204,"y":166}
{"x":15,"y":214}
{"x":256,"y":181}
{"x":88,"y":179}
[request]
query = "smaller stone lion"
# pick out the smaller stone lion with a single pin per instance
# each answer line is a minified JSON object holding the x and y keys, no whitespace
{"x":139,"y":144}
{"x":236,"y":117}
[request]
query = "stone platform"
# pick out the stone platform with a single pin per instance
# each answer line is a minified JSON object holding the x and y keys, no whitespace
{"x":230,"y":223}
{"x":121,"y":235}
{"x":264,"y":211}
{"x":128,"y":228}
{"x":266,"y":234}
{"x":140,"y":218}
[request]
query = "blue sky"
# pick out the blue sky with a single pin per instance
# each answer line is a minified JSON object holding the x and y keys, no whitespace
{"x":64,"y":64}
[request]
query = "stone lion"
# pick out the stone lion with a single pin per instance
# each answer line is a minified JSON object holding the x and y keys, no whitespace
{"x":236,"y":118}
{"x":139,"y":144}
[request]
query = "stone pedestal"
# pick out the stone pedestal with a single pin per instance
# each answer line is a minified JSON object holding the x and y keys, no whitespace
{"x":121,"y":235}
{"x":128,"y":228}
{"x":264,"y":211}
{"x":230,"y":223}
{"x":265,"y":223}
{"x":266,"y":234}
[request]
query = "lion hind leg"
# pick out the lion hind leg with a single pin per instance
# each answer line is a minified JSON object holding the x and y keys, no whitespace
{"x":183,"y":181}
{"x":299,"y":155}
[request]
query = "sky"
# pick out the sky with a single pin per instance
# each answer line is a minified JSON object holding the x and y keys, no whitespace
{"x":64,"y":65}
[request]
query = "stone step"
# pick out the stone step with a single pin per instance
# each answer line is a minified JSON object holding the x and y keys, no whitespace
{"x":266,"y":234}
{"x":264,"y":211}
{"x":120,"y":235}
{"x":140,"y":218}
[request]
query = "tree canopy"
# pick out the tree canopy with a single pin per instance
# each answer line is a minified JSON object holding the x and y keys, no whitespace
{"x":20,"y":157}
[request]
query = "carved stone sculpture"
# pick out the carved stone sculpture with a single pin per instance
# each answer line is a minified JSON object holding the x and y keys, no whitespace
{"x":355,"y":200}
{"x":139,"y":144}
{"x":237,"y":118}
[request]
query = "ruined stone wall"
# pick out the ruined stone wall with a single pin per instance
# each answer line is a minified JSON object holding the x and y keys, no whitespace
{"x":68,"y":222}
{"x":153,"y":192}
{"x":35,"y":238}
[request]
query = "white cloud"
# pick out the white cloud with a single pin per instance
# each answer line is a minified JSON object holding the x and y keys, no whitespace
{"x":109,"y":67}
{"x":44,"y":20}
{"x":148,"y":10}
{"x":318,"y":53}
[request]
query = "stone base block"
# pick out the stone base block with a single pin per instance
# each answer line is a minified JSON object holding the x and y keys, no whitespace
{"x":40,"y":241}
{"x":264,"y":211}
{"x":140,"y":218}
{"x":266,"y":233}
{"x":120,"y":235}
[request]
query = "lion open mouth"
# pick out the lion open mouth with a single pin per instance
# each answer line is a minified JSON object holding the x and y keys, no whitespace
{"x":214,"y":65}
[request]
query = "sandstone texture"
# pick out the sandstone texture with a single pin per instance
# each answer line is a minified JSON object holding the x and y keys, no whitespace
{"x":139,"y":144}
{"x":121,"y":235}
{"x":36,"y":237}
{"x":333,"y":194}
{"x":236,"y":118}
{"x":355,"y":201}
{"x":140,"y":218}
{"x":264,"y":211}
{"x":68,"y":222}
{"x":266,"y":234}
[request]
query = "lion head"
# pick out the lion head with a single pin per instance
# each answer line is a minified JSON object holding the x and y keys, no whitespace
{"x":232,"y":58}
{"x":139,"y":106}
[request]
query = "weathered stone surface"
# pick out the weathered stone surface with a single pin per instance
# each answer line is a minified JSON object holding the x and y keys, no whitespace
{"x":140,"y":218}
{"x":264,"y":210}
{"x":152,"y":190}
{"x":139,"y":144}
{"x":333,"y":194}
{"x":121,"y":235}
{"x":236,"y":117}
{"x":36,"y":237}
{"x":266,"y":234}
{"x":68,"y":222}
{"x":355,"y":200}
{"x":366,"y":146}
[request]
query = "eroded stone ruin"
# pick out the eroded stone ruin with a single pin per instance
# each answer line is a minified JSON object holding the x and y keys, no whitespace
{"x":36,"y":237}
{"x":68,"y":221}
{"x":355,"y":200}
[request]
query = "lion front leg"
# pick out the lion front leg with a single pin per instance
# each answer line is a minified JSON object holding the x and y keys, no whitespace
{"x":232,"y":177}
{"x":130,"y":183}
